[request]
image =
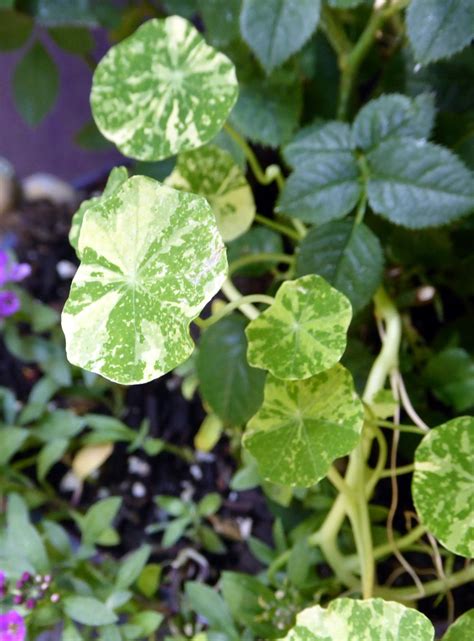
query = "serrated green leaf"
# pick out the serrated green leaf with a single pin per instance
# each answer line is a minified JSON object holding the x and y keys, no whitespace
{"x":268,"y":110}
{"x":152,"y":257}
{"x":35,"y":84}
{"x":88,"y":611}
{"x":347,"y":256}
{"x":439,"y":28}
{"x":450,"y":374}
{"x":393,"y":115}
{"x":49,"y":455}
{"x":461,"y":629}
{"x":233,"y":389}
{"x":276,"y":29}
{"x":117,"y":177}
{"x":327,"y":194}
{"x":308,"y":322}
{"x":211,"y":172}
{"x":319,"y":143}
{"x":442,"y":484}
{"x":417,"y":184}
{"x":221,"y":20}
{"x":15,"y":29}
{"x":162,"y":90}
{"x":349,"y":619}
{"x":303,"y":426}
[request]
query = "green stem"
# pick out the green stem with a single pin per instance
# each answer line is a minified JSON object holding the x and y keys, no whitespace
{"x":262,"y":257}
{"x":235,"y":304}
{"x":279,"y":227}
{"x":438,"y":586}
{"x":411,"y":429}
{"x":403,"y":469}
{"x":233,"y":295}
{"x":271,"y":174}
{"x":335,"y":33}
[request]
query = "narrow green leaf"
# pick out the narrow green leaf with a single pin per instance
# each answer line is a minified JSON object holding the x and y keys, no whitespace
{"x":99,"y":518}
{"x":162,"y":90}
{"x":209,"y":604}
{"x":35,"y":84}
{"x":22,"y":538}
{"x":49,"y":455}
{"x":88,"y":611}
{"x":348,"y":256}
{"x":233,"y":389}
{"x":276,"y":29}
{"x":417,"y":184}
{"x":350,"y":619}
{"x":148,"y":621}
{"x":152,"y":257}
{"x":319,"y":143}
{"x":461,"y":629}
{"x":11,"y":440}
{"x":15,"y":29}
{"x":132,"y":566}
{"x":303,"y":426}
{"x":442,"y":484}
{"x":327,"y":194}
{"x":393,"y":115}
{"x":439,"y":28}
{"x":211,"y":172}
{"x":308,"y":322}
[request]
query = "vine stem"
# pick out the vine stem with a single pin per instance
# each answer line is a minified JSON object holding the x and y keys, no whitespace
{"x":430,"y":588}
{"x":233,"y":295}
{"x":263,"y":257}
{"x":272,"y":224}
{"x":235,"y":304}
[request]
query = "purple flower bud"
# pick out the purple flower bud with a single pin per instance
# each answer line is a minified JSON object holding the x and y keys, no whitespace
{"x":10,"y":271}
{"x":18,"y":599}
{"x":26,"y":576}
{"x":19,"y":584}
{"x":12,"y":626}
{"x":9,"y":304}
{"x":30,"y":603}
{"x":47,"y":578}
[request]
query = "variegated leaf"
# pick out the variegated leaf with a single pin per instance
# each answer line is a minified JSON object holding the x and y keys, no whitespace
{"x":162,"y":90}
{"x":303,"y":426}
{"x":303,"y":332}
{"x":443,"y":482}
{"x":213,"y":173}
{"x":152,"y":257}
{"x":461,"y":629}
{"x":353,"y":620}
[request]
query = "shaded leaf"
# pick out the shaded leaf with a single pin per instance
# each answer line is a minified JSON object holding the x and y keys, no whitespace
{"x":89,"y":611}
{"x":451,"y":376}
{"x":319,"y":143}
{"x":15,"y":29}
{"x":461,"y":629}
{"x":77,"y":40}
{"x":49,"y":455}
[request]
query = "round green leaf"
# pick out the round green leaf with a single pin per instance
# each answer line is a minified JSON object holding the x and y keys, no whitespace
{"x":213,"y":173}
{"x":152,"y":257}
{"x":461,"y":629}
{"x":162,"y":90}
{"x":303,"y":426}
{"x":308,"y":322}
{"x":232,"y":388}
{"x":351,"y":620}
{"x":443,"y":482}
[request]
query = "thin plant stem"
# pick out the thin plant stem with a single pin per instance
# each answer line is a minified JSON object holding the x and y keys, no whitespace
{"x":411,"y":429}
{"x":407,"y":405}
{"x":235,"y":304}
{"x":430,"y":588}
{"x":251,"y":259}
{"x":233,"y":295}
{"x":279,"y":227}
{"x":398,"y":471}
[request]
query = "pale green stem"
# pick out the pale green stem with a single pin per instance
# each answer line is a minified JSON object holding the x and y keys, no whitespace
{"x":251,"y":259}
{"x":282,"y":229}
{"x":235,"y":304}
{"x":412,"y":429}
{"x":439,"y":586}
{"x":398,"y":471}
{"x":233,"y":295}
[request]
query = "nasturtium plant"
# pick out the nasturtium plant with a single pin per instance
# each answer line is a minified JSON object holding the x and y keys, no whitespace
{"x":350,"y":619}
{"x":308,"y":321}
{"x":303,"y":426}
{"x":442,"y":484}
{"x":461,"y":629}
{"x":212,"y":172}
{"x":162,"y":90}
{"x":128,"y":312}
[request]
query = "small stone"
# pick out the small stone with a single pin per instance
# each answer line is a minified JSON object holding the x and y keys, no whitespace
{"x":66,"y":269}
{"x":41,"y":186}
{"x":196,"y":472}
{"x":138,"y":466}
{"x":138,"y":490}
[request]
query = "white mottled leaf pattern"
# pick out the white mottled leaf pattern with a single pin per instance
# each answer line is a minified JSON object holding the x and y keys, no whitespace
{"x":162,"y":90}
{"x":461,"y":629}
{"x":213,"y":173}
{"x":152,"y":257}
{"x":354,"y":620}
{"x":443,"y":484}
{"x":303,"y":426}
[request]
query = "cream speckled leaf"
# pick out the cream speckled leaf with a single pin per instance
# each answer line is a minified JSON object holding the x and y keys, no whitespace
{"x":461,"y":629}
{"x":443,"y":482}
{"x":303,"y":332}
{"x":152,"y":257}
{"x":353,"y":620}
{"x":303,"y":426}
{"x":162,"y":90}
{"x":117,"y":176}
{"x":213,"y":173}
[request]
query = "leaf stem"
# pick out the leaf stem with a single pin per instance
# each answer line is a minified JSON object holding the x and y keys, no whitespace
{"x":273,"y":224}
{"x":235,"y":304}
{"x":430,"y":588}
{"x":398,"y":471}
{"x":262,"y":257}
{"x":233,"y":295}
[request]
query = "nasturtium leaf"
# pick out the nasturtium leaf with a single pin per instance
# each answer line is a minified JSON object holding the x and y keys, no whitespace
{"x":442,"y":484}
{"x":152,"y":257}
{"x":319,"y":142}
{"x":232,"y":388}
{"x":212,"y":172}
{"x":276,"y":29}
{"x":15,"y":29}
{"x":327,"y":194}
{"x":461,"y":629}
{"x":347,"y":256}
{"x":351,"y":619}
{"x":417,"y":184}
{"x":303,"y":332}
{"x":393,"y":115}
{"x":117,"y":177}
{"x":439,"y":28}
{"x":303,"y":426}
{"x":162,"y":90}
{"x":268,"y":110}
{"x":35,"y":84}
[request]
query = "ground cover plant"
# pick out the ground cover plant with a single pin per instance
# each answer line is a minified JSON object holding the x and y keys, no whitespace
{"x":284,"y":258}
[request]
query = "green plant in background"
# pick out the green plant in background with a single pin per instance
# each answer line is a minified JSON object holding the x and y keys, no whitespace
{"x":359,"y":184}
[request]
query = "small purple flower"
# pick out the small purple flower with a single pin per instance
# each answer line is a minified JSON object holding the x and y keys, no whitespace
{"x":12,"y":626}
{"x":9,"y":303}
{"x":11,"y":272}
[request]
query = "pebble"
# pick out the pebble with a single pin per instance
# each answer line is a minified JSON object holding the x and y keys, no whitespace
{"x":42,"y":186}
{"x":138,"y":490}
{"x":66,"y":269}
{"x":138,"y":466}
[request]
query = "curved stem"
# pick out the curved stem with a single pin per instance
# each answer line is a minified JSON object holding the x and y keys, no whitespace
{"x":232,"y":294}
{"x":235,"y":304}
{"x":430,"y":588}
{"x":282,"y":229}
{"x":263,"y":257}
{"x":398,"y":471}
